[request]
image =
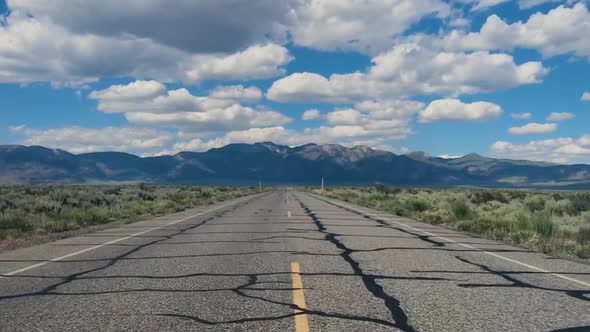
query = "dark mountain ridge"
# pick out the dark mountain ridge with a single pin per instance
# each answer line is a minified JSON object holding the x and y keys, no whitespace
{"x":247,"y":164}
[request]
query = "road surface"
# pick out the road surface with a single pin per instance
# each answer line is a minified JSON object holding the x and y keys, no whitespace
{"x":288,"y":261}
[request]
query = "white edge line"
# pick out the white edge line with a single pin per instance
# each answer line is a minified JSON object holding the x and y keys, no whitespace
{"x":30,"y":267}
{"x":532,"y":267}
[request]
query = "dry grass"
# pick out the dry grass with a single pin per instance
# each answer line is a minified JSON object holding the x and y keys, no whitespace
{"x":551,"y":222}
{"x":27,"y":211}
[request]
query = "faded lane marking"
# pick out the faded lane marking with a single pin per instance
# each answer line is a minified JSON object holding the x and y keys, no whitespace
{"x":117,"y":240}
{"x":301,"y":321}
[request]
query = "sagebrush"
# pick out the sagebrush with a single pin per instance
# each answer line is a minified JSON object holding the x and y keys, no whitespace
{"x":551,"y":222}
{"x":38,"y":210}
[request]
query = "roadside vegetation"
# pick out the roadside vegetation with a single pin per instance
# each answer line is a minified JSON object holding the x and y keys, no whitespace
{"x":37,"y":211}
{"x":550,"y":222}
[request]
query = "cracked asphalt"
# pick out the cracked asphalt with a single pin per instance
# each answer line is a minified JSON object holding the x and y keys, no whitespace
{"x":227,"y":267}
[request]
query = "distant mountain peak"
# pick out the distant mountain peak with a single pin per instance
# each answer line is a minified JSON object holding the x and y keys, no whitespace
{"x":279,"y":164}
{"x":418,"y":155}
{"x":474,"y":155}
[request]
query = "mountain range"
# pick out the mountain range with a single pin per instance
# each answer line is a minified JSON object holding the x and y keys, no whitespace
{"x":269,"y":163}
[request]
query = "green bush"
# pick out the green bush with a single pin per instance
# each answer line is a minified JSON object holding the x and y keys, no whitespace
{"x":556,"y":222}
{"x":29,"y":210}
{"x":583,"y":235}
{"x":542,"y":225}
{"x":461,"y":210}
{"x":535,"y":203}
{"x":416,"y":205}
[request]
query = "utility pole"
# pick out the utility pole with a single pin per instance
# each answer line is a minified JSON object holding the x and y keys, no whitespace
{"x":322,"y":183}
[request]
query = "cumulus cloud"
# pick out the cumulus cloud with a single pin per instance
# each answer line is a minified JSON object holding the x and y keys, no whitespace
{"x":192,"y":26}
{"x":555,"y":116}
{"x":133,"y":91}
{"x":150,"y":103}
{"x":448,"y":156}
{"x":358,"y":25}
{"x":523,"y":4}
{"x":534,"y":128}
{"x":455,"y":110}
{"x":562,"y":30}
{"x":237,"y":93}
{"x":84,"y":140}
{"x":373,"y":123}
{"x":311,"y":114}
{"x":368,"y":122}
{"x":235,"y":117}
{"x":586,"y":96}
{"x":411,"y":69}
{"x":561,"y":150}
{"x":344,"y":117}
{"x":152,"y":97}
{"x":521,"y":116}
{"x":278,"y":134}
{"x":36,"y":49}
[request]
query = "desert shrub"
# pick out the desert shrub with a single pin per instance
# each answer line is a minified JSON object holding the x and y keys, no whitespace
{"x":583,"y":252}
{"x":26,"y":210}
{"x":387,"y":190}
{"x":535,"y":203}
{"x":551,"y":222}
{"x":460,"y":209}
{"x":583,"y":235}
{"x":542,"y":224}
{"x":439,"y":216}
{"x":580,"y":201}
{"x":416,"y":205}
{"x":560,"y":207}
{"x":482,"y":197}
{"x":465,"y":225}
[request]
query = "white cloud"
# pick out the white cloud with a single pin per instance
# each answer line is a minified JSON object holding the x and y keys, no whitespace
{"x":220,"y":26}
{"x":358,"y":25}
{"x":455,"y":110}
{"x":237,"y":93}
{"x":378,"y":122}
{"x":36,"y":49}
{"x":561,"y":150}
{"x":562,"y":30}
{"x":560,"y":116}
{"x":344,"y":117}
{"x":130,"y":92}
{"x":83,"y":140}
{"x":534,"y":128}
{"x":346,"y":135}
{"x":133,"y":97}
{"x":484,"y":4}
{"x":521,"y":116}
{"x":149,"y":103}
{"x":278,"y":135}
{"x":586,"y":96}
{"x":372,"y":123}
{"x":411,"y":69}
{"x":235,"y":117}
{"x":447,"y":156}
{"x":255,"y":62}
{"x":524,"y":4}
{"x":311,"y":114}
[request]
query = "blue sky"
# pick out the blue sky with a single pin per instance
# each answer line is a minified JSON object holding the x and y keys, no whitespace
{"x":449,"y":77}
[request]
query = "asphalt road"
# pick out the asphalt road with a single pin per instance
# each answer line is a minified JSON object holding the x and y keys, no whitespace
{"x":286,"y":261}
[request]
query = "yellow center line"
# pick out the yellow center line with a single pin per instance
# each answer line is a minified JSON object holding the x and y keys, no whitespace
{"x":301,"y":322}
